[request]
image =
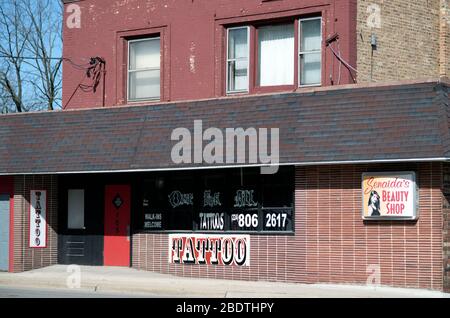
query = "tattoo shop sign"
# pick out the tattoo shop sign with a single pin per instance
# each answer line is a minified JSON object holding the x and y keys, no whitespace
{"x":38,"y":223}
{"x":209,"y":249}
{"x":389,"y":195}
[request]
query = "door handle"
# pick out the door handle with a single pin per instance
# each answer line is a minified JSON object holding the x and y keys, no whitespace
{"x":128,"y":233}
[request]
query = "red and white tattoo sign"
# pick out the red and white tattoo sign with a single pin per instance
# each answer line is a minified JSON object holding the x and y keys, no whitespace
{"x":38,"y":214}
{"x":211,"y":249}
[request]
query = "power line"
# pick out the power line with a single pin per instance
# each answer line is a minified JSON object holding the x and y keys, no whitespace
{"x":93,"y":69}
{"x":31,"y":57}
{"x":78,"y":66}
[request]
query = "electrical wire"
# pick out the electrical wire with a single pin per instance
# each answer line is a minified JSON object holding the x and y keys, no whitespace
{"x":77,"y":66}
{"x":69,"y":60}
{"x":338,"y":56}
{"x":340,"y":64}
{"x":94,"y":71}
{"x":74,"y":92}
{"x":31,"y":57}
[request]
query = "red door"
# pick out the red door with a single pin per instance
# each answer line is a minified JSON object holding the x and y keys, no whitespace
{"x":117,"y":226}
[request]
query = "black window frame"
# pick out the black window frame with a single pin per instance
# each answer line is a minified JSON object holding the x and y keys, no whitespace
{"x":228,"y":174}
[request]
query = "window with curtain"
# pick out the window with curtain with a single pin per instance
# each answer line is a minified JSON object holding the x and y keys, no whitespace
{"x":276,"y":55}
{"x":310,"y":55}
{"x":237,"y":59}
{"x":144,"y":69}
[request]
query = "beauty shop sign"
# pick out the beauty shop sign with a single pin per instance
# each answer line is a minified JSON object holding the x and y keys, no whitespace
{"x":389,"y":195}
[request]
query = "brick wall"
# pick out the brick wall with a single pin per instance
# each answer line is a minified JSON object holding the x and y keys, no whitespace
{"x":26,"y":258}
{"x":444,"y":38}
{"x":412,"y":40}
{"x":446,"y":227}
{"x":332,"y":244}
{"x":193,"y":42}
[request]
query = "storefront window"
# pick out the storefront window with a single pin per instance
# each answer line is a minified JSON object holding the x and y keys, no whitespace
{"x":228,"y":200}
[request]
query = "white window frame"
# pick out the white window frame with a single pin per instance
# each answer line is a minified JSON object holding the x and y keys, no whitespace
{"x":230,"y":60}
{"x":143,"y":69}
{"x":300,"y":52}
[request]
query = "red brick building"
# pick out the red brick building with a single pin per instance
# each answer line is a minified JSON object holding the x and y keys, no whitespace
{"x":361,"y":193}
{"x":194,"y":67}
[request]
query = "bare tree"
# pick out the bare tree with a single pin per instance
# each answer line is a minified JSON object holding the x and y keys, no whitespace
{"x":13,"y":39}
{"x":30,"y":36}
{"x":5,"y":101}
{"x":43,"y":41}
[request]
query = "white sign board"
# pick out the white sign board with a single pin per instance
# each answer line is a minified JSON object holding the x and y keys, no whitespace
{"x":38,"y":216}
{"x":389,"y":195}
{"x":211,"y":249}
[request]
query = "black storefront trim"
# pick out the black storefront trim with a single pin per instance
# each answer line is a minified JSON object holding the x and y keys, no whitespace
{"x":271,"y":204}
{"x":279,"y":233}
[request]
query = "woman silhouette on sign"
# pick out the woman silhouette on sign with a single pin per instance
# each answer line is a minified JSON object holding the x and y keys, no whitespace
{"x":374,"y":204}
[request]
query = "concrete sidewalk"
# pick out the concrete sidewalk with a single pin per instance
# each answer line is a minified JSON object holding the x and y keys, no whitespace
{"x":128,"y":280}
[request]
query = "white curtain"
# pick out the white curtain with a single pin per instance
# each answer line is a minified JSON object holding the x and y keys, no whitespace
{"x":145,"y":84}
{"x":144,"y":67}
{"x":145,"y":54}
{"x":311,"y":38}
{"x":310,"y":46}
{"x":276,"y":55}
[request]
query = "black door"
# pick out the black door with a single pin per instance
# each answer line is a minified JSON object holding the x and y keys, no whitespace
{"x":81,"y":209}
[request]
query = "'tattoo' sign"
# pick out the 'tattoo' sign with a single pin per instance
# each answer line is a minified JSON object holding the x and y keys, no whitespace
{"x":38,"y":214}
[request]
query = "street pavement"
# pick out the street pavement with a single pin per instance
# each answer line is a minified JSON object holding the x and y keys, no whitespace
{"x":36,"y":292}
{"x":90,"y":281}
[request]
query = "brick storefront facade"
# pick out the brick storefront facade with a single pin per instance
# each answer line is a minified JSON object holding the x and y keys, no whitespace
{"x":332,"y":244}
{"x":26,"y":258}
{"x":446,"y":226}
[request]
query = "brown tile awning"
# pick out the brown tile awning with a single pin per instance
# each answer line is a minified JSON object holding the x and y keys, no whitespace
{"x":371,"y":123}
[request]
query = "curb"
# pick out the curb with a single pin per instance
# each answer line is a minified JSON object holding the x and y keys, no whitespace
{"x":186,"y":288}
{"x":114,"y":286}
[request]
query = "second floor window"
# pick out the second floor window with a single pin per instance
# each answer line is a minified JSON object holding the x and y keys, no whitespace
{"x":310,"y":56}
{"x":262,"y":56}
{"x":144,"y":69}
{"x":238,"y":59}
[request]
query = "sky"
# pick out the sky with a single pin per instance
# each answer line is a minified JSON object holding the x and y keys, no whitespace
{"x":50,"y":11}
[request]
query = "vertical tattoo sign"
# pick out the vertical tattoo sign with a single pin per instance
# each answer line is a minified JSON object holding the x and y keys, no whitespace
{"x":38,"y":215}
